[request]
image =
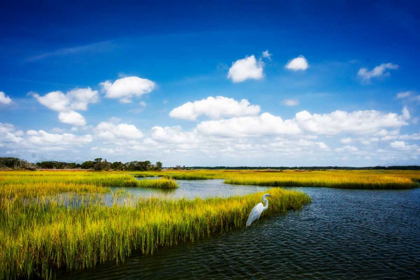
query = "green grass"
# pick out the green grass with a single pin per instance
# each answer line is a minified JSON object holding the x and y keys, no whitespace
{"x":158,"y":183}
{"x":354,"y":179}
{"x":37,"y":237}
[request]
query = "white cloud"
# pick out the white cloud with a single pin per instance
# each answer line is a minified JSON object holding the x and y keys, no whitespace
{"x":246,"y":68}
{"x":143,"y":104}
{"x":290,"y":102}
{"x":110,"y":131}
{"x":72,"y":118}
{"x":215,"y":108}
{"x":297,"y":64}
{"x":173,"y":135}
{"x":347,"y":148}
{"x":406,"y":113}
{"x":378,"y":71}
{"x":266,"y":54}
{"x":126,"y":88}
{"x":265,"y":124}
{"x":42,"y":138}
{"x":346,"y":140}
{"x":6,"y":127}
{"x":357,"y":122}
{"x":415,"y":136}
{"x":4,"y":99}
{"x":401,"y":145}
{"x":76,"y":99}
{"x":8,"y":134}
{"x":403,"y":95}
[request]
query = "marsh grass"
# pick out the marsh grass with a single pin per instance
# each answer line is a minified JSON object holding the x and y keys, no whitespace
{"x":38,"y":237}
{"x":48,"y":182}
{"x":356,"y":179}
{"x":162,"y":183}
{"x":385,"y":182}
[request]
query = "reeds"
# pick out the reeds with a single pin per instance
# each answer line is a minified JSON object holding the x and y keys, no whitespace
{"x":384,"y":182}
{"x":355,"y":179}
{"x":162,"y":183}
{"x":37,"y":237}
{"x":52,"y":180}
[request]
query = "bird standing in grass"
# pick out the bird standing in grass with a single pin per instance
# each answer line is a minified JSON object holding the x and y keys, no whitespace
{"x":257,"y":210}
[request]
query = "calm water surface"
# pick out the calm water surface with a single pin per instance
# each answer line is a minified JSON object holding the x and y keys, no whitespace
{"x":194,"y":188}
{"x":343,"y":234}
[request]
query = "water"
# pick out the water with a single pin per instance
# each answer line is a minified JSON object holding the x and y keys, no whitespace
{"x":343,"y":234}
{"x":194,"y":188}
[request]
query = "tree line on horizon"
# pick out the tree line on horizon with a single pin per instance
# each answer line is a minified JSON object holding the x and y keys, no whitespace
{"x":96,"y":164}
{"x":99,"y":164}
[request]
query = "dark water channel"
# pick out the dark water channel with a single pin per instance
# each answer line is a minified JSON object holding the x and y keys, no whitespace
{"x":343,"y":234}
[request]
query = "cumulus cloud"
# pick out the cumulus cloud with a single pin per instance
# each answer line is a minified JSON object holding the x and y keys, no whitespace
{"x":415,"y":136}
{"x":4,"y":99}
{"x":246,"y":68}
{"x":214,"y":108}
{"x":378,"y":71}
{"x":406,"y":113}
{"x":127,"y":88}
{"x":42,"y":138}
{"x":347,"y":148}
{"x":68,"y":103}
{"x":266,"y":54}
{"x":291,"y":102}
{"x":358,"y":122}
{"x":173,"y":135}
{"x":265,"y":124}
{"x":111,"y":131}
{"x":72,"y":118}
{"x":298,"y":64}
{"x":8,"y":134}
{"x":76,"y":99}
{"x":402,"y":145}
{"x":403,"y":95}
{"x":346,"y":140}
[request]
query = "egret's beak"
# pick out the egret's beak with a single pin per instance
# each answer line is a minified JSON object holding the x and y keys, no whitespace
{"x":271,"y":197}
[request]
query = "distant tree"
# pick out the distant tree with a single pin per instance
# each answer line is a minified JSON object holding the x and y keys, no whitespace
{"x":97,"y":165}
{"x":158,"y":166}
{"x":15,"y":163}
{"x":105,"y":165}
{"x":87,"y":164}
{"x":117,"y":165}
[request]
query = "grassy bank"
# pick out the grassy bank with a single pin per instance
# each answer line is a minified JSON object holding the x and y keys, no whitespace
{"x":37,"y":237}
{"x":51,"y":182}
{"x":162,"y":183}
{"x":357,"y":179}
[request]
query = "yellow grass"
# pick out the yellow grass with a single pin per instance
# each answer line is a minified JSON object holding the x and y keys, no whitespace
{"x":368,"y":179}
{"x":40,"y":229}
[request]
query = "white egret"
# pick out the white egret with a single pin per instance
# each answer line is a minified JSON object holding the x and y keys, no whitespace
{"x":257,"y":210}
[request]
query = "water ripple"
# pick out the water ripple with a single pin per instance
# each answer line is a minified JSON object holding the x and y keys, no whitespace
{"x":343,"y":234}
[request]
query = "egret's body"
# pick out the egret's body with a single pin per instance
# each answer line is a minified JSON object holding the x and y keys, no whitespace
{"x":257,"y":210}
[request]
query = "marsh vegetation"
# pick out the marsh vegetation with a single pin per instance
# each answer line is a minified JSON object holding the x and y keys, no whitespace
{"x":41,"y":231}
{"x":356,"y":179}
{"x":59,"y":219}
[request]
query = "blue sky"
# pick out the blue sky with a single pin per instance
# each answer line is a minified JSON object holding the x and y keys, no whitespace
{"x":324,"y":82}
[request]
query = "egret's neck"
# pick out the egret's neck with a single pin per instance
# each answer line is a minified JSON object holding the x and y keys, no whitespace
{"x":266,"y":203}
